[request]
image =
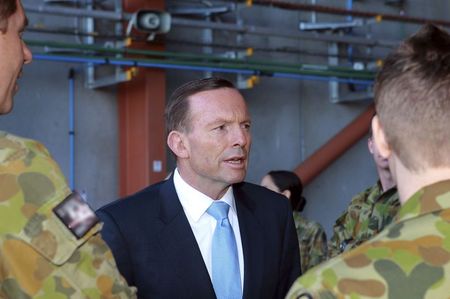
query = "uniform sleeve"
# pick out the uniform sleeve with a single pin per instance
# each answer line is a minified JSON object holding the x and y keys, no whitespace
{"x":40,"y":256}
{"x":322,"y":282}
{"x":317,"y":248}
{"x":307,"y":287}
{"x":303,"y":293}
{"x":345,"y":226}
{"x":339,"y":235}
{"x":108,"y":281}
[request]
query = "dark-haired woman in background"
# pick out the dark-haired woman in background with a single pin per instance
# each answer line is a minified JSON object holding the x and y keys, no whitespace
{"x":311,"y":236}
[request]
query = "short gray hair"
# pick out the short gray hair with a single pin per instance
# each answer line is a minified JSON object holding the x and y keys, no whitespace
{"x":177,"y":109}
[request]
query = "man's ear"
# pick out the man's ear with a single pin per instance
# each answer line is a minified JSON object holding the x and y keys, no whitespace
{"x":176,"y":142}
{"x":370,"y":144}
{"x":379,"y":138}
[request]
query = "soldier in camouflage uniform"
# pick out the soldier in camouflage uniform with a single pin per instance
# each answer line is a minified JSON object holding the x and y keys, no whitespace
{"x":40,"y":257}
{"x":369,"y":211}
{"x":411,"y":257}
{"x":312,"y":241}
{"x":50,"y":246}
{"x":311,"y":236}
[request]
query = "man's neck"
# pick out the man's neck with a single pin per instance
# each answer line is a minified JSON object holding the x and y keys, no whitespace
{"x":409,"y":182}
{"x":207,"y":187}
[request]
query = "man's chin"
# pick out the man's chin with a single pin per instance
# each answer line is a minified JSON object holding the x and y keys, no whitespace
{"x":238,"y":178}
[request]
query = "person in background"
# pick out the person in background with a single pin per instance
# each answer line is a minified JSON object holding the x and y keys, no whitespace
{"x":410,"y":258}
{"x":41,"y":255}
{"x":311,"y":235}
{"x":369,"y":211}
{"x":204,"y":232}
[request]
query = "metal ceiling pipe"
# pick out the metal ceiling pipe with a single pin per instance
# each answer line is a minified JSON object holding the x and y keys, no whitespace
{"x":315,"y":164}
{"x":355,"y":13}
{"x":293,"y":34}
{"x":183,"y":65}
{"x":337,"y":71}
{"x":248,"y":29}
{"x":78,"y":12}
{"x":134,"y":38}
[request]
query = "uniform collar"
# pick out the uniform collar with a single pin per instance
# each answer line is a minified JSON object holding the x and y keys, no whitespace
{"x":429,"y":199}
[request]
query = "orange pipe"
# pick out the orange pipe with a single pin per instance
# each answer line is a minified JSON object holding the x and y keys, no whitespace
{"x":335,"y":147}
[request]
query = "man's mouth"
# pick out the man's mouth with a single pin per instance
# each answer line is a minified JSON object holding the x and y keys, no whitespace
{"x":235,"y":160}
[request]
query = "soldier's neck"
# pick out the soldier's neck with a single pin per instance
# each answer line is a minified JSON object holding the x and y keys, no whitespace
{"x":386,"y":179}
{"x":409,"y":182}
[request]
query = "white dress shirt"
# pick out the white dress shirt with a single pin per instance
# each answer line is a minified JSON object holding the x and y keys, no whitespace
{"x":202,"y":224}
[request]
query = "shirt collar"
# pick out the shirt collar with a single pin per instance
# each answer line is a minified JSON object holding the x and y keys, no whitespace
{"x":194,"y":202}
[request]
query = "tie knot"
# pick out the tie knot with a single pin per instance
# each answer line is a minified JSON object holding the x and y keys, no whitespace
{"x":219,"y":210}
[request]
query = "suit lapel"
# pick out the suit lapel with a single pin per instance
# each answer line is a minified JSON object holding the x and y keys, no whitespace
{"x":252,"y":243}
{"x":179,"y":244}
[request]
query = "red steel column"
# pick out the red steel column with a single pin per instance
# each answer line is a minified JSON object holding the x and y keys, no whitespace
{"x":141,"y":119}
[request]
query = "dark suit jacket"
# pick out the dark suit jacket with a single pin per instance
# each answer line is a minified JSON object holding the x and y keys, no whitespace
{"x":156,"y":251}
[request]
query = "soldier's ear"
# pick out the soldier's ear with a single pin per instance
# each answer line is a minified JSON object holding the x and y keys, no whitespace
{"x":379,"y":138}
{"x":178,"y":144}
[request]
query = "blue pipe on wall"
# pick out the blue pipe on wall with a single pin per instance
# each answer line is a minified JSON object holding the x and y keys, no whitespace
{"x":111,"y":61}
{"x":324,"y":79}
{"x":72,"y":128}
{"x":60,"y":58}
{"x":350,"y":18}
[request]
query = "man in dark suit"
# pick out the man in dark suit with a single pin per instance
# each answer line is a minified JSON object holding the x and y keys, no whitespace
{"x":167,"y":240}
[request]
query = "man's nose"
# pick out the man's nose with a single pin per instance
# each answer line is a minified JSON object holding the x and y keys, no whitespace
{"x":241,"y":136}
{"x":27,"y":55}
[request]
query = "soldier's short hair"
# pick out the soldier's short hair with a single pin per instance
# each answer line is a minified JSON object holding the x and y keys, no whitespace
{"x":412,"y":99}
{"x":177,"y":110}
{"x":7,"y":8}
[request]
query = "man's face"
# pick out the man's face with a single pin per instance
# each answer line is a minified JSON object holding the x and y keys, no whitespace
{"x":217,"y":141}
{"x":13,"y":55}
{"x":380,"y":161}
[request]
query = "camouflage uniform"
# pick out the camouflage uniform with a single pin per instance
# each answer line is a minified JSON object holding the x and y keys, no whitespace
{"x":368,"y":213}
{"x":409,"y":259}
{"x":312,"y":241}
{"x":39,"y":257}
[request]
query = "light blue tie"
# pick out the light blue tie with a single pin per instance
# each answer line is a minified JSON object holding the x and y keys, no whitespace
{"x":226,"y":277}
